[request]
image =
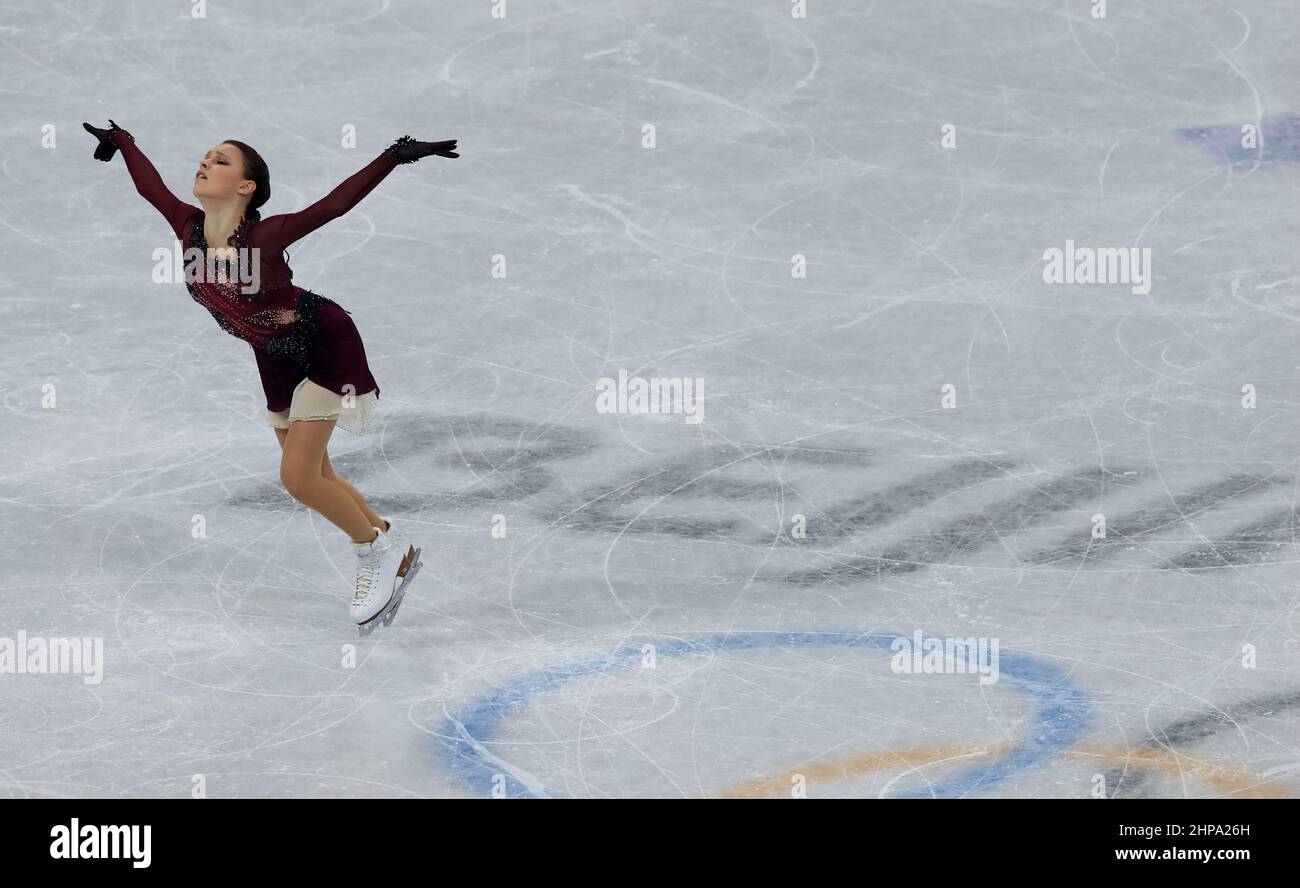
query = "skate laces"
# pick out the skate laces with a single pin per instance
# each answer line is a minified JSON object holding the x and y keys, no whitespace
{"x":367,"y":575}
{"x":364,"y":583}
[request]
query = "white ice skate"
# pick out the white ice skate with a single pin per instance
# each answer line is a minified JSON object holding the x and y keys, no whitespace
{"x":383,"y":572}
{"x":395,"y":531}
{"x":402,"y":542}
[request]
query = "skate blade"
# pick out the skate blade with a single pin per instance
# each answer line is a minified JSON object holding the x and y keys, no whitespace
{"x":385,"y":616}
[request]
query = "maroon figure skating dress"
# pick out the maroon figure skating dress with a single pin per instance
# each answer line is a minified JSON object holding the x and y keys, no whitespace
{"x":295,"y":334}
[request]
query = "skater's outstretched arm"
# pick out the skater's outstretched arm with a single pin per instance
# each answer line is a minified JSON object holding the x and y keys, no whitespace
{"x":146,"y":178}
{"x":284,"y":229}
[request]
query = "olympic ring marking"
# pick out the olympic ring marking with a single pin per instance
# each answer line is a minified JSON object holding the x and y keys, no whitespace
{"x":1226,"y":778}
{"x":827,"y":770}
{"x":1059,"y":717}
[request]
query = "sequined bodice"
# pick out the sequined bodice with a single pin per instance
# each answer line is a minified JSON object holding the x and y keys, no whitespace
{"x":229,"y":267}
{"x":261,"y":317}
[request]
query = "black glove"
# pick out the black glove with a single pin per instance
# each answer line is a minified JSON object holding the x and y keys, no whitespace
{"x":407,"y":150}
{"x":107,"y":147}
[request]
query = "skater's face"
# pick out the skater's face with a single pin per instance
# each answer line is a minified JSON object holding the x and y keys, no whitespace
{"x":221,"y":175}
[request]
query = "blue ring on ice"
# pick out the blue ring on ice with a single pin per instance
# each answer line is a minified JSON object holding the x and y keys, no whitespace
{"x":1059,"y":719}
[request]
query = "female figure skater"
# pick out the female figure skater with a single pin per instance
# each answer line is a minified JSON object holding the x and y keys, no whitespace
{"x":309,"y":353}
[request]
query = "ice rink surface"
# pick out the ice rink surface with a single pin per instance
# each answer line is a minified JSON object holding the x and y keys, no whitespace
{"x":652,"y":623}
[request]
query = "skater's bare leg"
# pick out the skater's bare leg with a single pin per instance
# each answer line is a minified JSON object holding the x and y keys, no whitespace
{"x":300,"y":473}
{"x":328,"y":473}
